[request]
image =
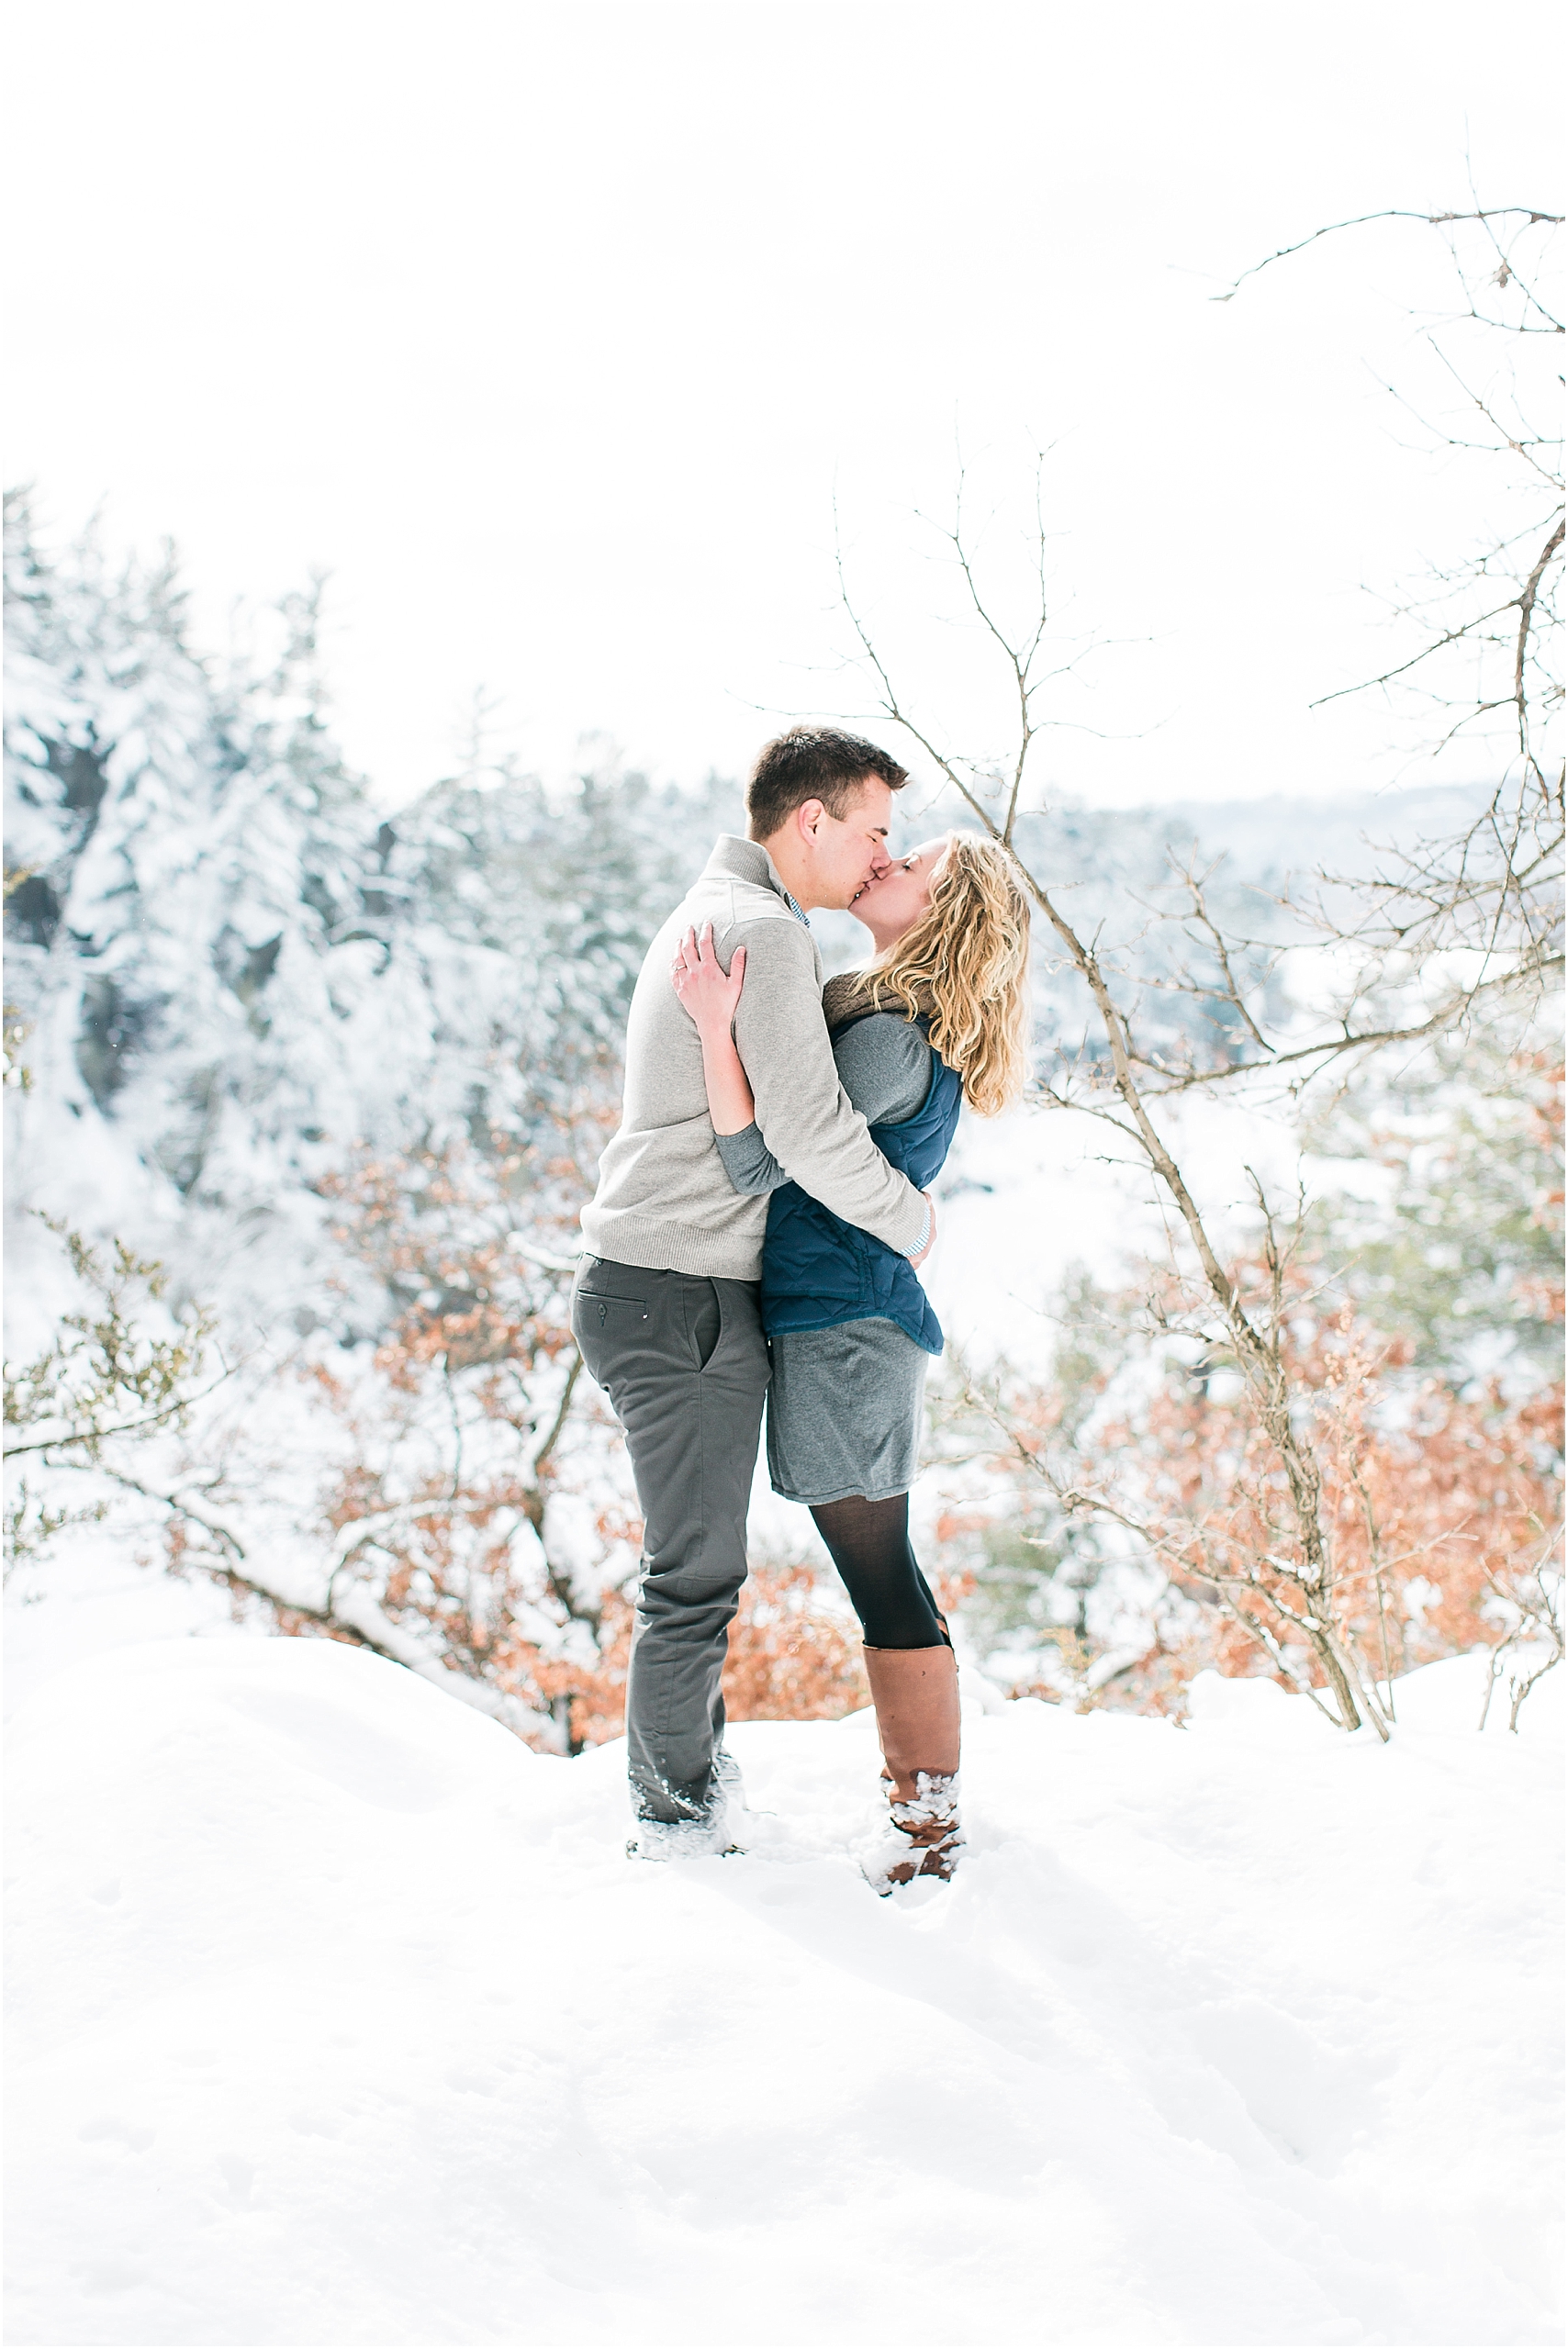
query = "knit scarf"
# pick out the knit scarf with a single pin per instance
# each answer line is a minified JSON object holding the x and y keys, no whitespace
{"x":850,"y":993}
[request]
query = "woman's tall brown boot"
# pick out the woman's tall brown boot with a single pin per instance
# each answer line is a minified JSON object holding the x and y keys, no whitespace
{"x":915,"y":1692}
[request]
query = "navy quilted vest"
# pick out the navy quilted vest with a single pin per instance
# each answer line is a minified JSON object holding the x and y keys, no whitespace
{"x":819,"y":1271}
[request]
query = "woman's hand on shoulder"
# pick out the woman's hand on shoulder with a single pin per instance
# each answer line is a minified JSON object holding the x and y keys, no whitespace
{"x":708,"y":991}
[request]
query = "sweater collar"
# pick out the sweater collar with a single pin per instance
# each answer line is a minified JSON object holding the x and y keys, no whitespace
{"x":748,"y":860}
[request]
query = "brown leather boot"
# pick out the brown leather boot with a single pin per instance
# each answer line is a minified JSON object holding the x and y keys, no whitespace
{"x":915,"y":1692}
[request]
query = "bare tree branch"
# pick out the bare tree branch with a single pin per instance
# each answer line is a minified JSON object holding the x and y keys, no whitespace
{"x":1527,"y":613}
{"x":1428,"y":219}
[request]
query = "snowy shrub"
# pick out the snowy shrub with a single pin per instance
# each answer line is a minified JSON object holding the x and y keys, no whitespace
{"x":82,"y":1409}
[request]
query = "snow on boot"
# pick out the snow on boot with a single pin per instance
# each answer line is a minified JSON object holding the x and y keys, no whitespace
{"x":726,"y":1782}
{"x":915,"y":1692}
{"x":923,"y":1837}
{"x":682,"y":1839}
{"x":720,"y":1831}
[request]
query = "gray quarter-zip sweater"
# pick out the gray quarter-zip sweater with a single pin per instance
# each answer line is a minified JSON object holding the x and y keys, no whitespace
{"x":663,"y":1198}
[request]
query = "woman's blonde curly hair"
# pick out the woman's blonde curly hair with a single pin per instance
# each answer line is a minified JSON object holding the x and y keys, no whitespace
{"x":965,"y":963}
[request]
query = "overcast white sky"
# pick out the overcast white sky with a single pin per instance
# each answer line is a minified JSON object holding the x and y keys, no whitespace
{"x":548,"y":331}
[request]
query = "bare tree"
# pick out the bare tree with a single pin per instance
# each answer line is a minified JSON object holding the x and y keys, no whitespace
{"x":1124,"y":1093}
{"x":1433,"y":932}
{"x":1482,"y":905}
{"x":1533,"y":1600}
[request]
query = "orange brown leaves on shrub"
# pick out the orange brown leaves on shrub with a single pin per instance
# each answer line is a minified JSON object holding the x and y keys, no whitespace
{"x":1430,"y":1502}
{"x":1435,"y":1504}
{"x":470,"y":1422}
{"x":791,"y":1658}
{"x":1155,"y":1682}
{"x":595,"y":1694}
{"x":438,"y":1231}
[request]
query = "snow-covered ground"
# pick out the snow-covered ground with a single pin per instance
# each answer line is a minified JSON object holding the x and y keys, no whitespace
{"x":337,"y":2017}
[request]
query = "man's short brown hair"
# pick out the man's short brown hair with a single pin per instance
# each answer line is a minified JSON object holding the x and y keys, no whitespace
{"x":813,"y":763}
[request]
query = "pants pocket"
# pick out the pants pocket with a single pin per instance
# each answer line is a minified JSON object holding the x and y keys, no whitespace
{"x":610,"y":1311}
{"x":705,"y":1324}
{"x":605,"y":1325}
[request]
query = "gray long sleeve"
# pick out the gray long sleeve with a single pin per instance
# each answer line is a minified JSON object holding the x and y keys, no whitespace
{"x":749,"y":1163}
{"x":884,"y":1065}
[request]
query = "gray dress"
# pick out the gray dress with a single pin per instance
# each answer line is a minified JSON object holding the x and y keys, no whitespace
{"x":843,"y":1407}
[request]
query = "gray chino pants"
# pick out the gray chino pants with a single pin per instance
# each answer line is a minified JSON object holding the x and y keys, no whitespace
{"x":685,"y":1364}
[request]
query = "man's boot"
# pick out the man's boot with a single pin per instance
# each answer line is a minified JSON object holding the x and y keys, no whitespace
{"x":719,"y":1833}
{"x":915,"y":1692}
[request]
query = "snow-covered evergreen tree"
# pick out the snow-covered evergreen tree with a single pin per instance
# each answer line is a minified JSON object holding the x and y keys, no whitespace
{"x":239,"y":977}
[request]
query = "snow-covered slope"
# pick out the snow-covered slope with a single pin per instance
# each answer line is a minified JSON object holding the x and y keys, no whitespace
{"x":339,"y":2018}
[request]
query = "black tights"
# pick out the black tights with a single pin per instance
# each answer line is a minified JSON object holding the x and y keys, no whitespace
{"x":869,"y":1542}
